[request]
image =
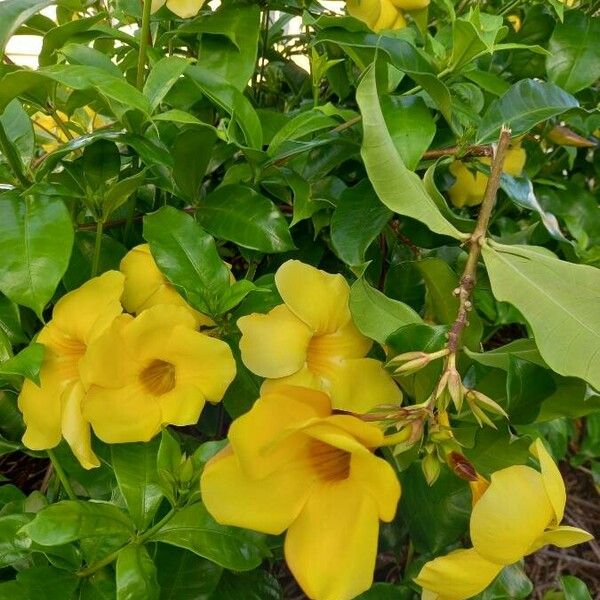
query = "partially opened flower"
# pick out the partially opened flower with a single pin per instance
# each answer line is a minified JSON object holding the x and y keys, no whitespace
{"x":182,"y":8}
{"x":152,"y":370}
{"x":146,"y":286}
{"x":293,"y":465}
{"x":383,"y":14}
{"x":53,"y":410}
{"x":518,"y":514}
{"x":311,"y":341}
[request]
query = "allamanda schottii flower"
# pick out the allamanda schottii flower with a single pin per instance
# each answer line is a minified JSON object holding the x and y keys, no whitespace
{"x":383,"y":14}
{"x":292,"y":464}
{"x":152,"y":370}
{"x":519,"y":513}
{"x":53,"y":410}
{"x":310,"y":340}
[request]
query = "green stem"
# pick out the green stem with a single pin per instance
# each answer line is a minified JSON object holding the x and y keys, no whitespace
{"x":62,"y":476}
{"x":97,"y":247}
{"x":12,"y":157}
{"x":93,"y":568}
{"x":144,"y":43}
{"x":251,"y":272}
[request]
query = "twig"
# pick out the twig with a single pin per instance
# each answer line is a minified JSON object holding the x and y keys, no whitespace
{"x":468,"y":278}
{"x":573,"y":559}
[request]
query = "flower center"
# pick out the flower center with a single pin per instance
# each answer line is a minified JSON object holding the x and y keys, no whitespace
{"x":158,"y":377}
{"x":330,"y":463}
{"x":321,"y":354}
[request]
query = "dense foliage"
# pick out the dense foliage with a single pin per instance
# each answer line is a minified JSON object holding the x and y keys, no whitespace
{"x":320,"y":299}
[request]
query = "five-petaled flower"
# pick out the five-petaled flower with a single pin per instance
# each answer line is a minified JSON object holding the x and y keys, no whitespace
{"x":53,"y":410}
{"x":292,"y":464}
{"x":518,"y":514}
{"x":311,"y":341}
{"x":182,"y":8}
{"x":152,"y":370}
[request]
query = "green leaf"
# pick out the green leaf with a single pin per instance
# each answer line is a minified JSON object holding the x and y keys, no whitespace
{"x":559,"y":301}
{"x":357,"y":220}
{"x":298,"y":127}
{"x":574,"y":588}
{"x":48,"y":583}
{"x":162,"y":78}
{"x":25,"y":364}
{"x":442,"y":303}
{"x":10,"y":549}
{"x":398,"y":188}
{"x":13,"y":13}
{"x":410,"y":126}
{"x":136,"y":574}
{"x":387,"y":591}
{"x":78,"y":54}
{"x":100,"y":586}
{"x":511,"y":583}
{"x":522,"y":107}
{"x":255,"y":585}
{"x":120,"y":191}
{"x":19,"y":130}
{"x":192,"y":151}
{"x":376,"y":315}
{"x":447,"y":503}
{"x":230,"y":99}
{"x":101,"y":163}
{"x":240,"y":214}
{"x":499,"y":358}
{"x":574,"y":59}
{"x":194,"y":529}
{"x":527,"y":386}
{"x":72,"y":520}
{"x":137,"y":477}
{"x":188,"y":256}
{"x":183,"y":575}
{"x":36,"y":237}
{"x":229,"y":42}
{"x":168,"y":464}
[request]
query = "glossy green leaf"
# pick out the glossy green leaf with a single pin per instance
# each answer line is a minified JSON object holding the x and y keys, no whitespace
{"x":574,"y":59}
{"x":72,"y":520}
{"x":137,"y":477}
{"x":559,"y":301}
{"x":400,"y":189}
{"x":356,"y":222}
{"x":48,"y":583}
{"x":376,"y":315}
{"x":387,"y":591}
{"x":188,"y":256}
{"x":10,"y":550}
{"x":194,"y":529}
{"x":14,"y":13}
{"x":512,"y":583}
{"x":25,"y":364}
{"x":100,"y":586}
{"x":574,"y":588}
{"x":19,"y":130}
{"x":36,"y":237}
{"x":240,"y":214}
{"x":447,"y":503}
{"x":499,"y":358}
{"x":162,"y":77}
{"x":255,"y":585}
{"x":300,"y":126}
{"x":136,"y":574}
{"x":522,"y":107}
{"x":78,"y":54}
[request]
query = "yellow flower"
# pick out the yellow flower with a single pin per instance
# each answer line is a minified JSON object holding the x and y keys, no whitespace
{"x":519,"y":513}
{"x":469,"y":187}
{"x":53,"y":410}
{"x":293,"y":465}
{"x":182,"y":8}
{"x":377,"y":14}
{"x":156,"y":369}
{"x":515,"y":21}
{"x":311,"y":341}
{"x":146,"y":286}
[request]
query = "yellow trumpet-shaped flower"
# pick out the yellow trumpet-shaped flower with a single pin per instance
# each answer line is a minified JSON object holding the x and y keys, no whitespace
{"x":469,"y":187}
{"x":311,"y":341}
{"x":293,"y":465}
{"x":377,"y":14}
{"x":182,"y":8}
{"x":146,"y":286}
{"x":156,"y":369}
{"x":519,"y":513}
{"x":53,"y":410}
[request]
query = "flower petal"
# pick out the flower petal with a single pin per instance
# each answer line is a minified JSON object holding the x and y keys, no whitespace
{"x":182,"y":405}
{"x":75,"y":429}
{"x":87,"y":311}
{"x":366,"y":11}
{"x":41,"y":408}
{"x":562,"y":536}
{"x":553,"y":481}
{"x":125,"y":414}
{"x":203,"y":361}
{"x":268,"y":505}
{"x":275,"y":344}
{"x":511,"y":515}
{"x":255,"y":432}
{"x":185,"y":8}
{"x":346,"y":342}
{"x":319,"y":299}
{"x":303,"y":378}
{"x":377,"y":477}
{"x":342,"y":427}
{"x":360,"y":384}
{"x":458,"y":575}
{"x":331,"y":547}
